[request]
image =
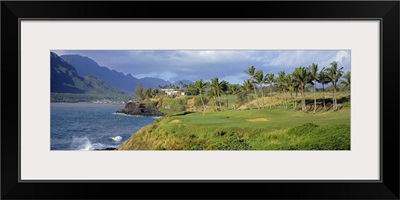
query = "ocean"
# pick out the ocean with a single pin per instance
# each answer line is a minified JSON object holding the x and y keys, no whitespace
{"x":91,"y":126}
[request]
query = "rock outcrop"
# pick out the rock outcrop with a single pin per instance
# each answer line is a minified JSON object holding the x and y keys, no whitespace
{"x":132,"y":108}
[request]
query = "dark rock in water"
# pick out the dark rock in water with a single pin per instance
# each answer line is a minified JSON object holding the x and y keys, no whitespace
{"x":132,"y":108}
{"x":105,"y":149}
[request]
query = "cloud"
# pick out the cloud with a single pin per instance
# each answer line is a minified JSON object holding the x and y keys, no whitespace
{"x":238,"y":78}
{"x":198,"y":64}
{"x":166,"y":75}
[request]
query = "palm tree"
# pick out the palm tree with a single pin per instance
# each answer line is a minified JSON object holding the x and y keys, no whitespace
{"x":302,"y":77}
{"x":234,"y":89}
{"x":200,"y":86}
{"x":247,"y":86}
{"x":260,"y":79}
{"x":225,"y":89}
{"x":323,"y":79}
{"x":270,"y":79}
{"x":180,"y":83}
{"x":334,"y":75}
{"x":212,"y":94}
{"x":251,"y":71}
{"x":189,"y":88}
{"x":291,"y":86}
{"x":313,"y":69}
{"x":216,"y":85}
{"x":282,"y":85}
{"x":346,"y":80}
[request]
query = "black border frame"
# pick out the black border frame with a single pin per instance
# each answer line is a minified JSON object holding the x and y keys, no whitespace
{"x":386,"y":11}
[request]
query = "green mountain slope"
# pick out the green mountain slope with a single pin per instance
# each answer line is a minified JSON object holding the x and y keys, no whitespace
{"x":65,"y":79}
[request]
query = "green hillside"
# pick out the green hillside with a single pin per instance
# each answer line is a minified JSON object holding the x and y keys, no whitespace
{"x":246,"y":130}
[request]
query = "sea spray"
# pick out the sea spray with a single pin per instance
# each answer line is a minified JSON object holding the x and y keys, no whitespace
{"x":116,"y":138}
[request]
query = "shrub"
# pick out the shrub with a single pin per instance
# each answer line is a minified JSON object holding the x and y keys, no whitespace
{"x":181,"y":113}
{"x":241,"y":97}
{"x":174,"y":105}
{"x":151,"y":104}
{"x":346,"y":104}
{"x":219,"y":133}
{"x":197,"y":101}
{"x":305,"y":128}
{"x":331,"y":137}
{"x":232,"y":143}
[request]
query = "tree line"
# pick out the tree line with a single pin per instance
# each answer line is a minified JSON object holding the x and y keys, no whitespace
{"x":287,"y":84}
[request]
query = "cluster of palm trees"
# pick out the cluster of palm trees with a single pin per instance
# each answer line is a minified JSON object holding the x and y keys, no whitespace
{"x":297,"y":81}
{"x":286,"y":83}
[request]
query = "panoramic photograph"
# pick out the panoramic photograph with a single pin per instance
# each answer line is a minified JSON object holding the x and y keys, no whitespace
{"x":118,"y":100}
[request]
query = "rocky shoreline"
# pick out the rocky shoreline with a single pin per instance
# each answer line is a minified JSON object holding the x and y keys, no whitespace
{"x":132,"y":108}
{"x":106,"y":149}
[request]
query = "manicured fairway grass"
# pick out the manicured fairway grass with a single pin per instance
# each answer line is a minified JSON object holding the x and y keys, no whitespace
{"x":276,"y":118}
{"x":262,"y":129}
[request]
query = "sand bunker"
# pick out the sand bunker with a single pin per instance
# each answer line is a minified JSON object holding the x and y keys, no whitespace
{"x":175,"y":121}
{"x":257,"y":120}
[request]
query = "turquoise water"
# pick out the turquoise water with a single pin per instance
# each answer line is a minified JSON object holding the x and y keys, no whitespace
{"x":89,"y":126}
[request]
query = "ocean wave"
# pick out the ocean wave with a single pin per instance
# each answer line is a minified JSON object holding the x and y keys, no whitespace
{"x":136,"y":116}
{"x":84,"y":144}
{"x":80,"y":143}
{"x":122,"y":114}
{"x":116,"y":138}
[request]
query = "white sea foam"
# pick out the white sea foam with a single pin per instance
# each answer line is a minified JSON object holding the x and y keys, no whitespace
{"x":84,"y":144}
{"x":81,"y":143}
{"x":116,"y":138}
{"x":122,"y":114}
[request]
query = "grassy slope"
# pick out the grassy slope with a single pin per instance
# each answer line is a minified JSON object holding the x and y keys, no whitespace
{"x":230,"y":130}
{"x":276,"y":100}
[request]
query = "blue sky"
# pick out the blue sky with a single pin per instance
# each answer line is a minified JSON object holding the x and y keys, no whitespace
{"x":229,"y":65}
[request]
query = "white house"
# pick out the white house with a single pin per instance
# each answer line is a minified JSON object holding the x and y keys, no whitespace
{"x":172,"y":92}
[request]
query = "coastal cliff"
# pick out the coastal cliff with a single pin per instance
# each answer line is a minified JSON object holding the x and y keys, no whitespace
{"x":132,"y":108}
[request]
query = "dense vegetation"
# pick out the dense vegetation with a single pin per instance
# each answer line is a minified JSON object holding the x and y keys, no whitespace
{"x":266,"y":112}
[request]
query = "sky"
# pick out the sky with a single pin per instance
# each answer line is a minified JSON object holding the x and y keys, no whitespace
{"x":228,"y":65}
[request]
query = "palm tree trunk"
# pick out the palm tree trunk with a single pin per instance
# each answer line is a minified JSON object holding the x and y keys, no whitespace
{"x":248,"y":99}
{"x":284,"y":98}
{"x":315,"y":98}
{"x":270,"y":96}
{"x":256,"y":96}
{"x":227,"y":102}
{"x":204,"y":107}
{"x":219,"y":100}
{"x":262,"y":96}
{"x":215,"y":104}
{"x":334,"y":97}
{"x":234,"y":102}
{"x":304,"y":108}
{"x":323,"y":93}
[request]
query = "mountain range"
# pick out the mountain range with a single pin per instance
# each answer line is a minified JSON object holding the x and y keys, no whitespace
{"x":65,"y":79}
{"x":77,"y":74}
{"x":127,"y":83}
